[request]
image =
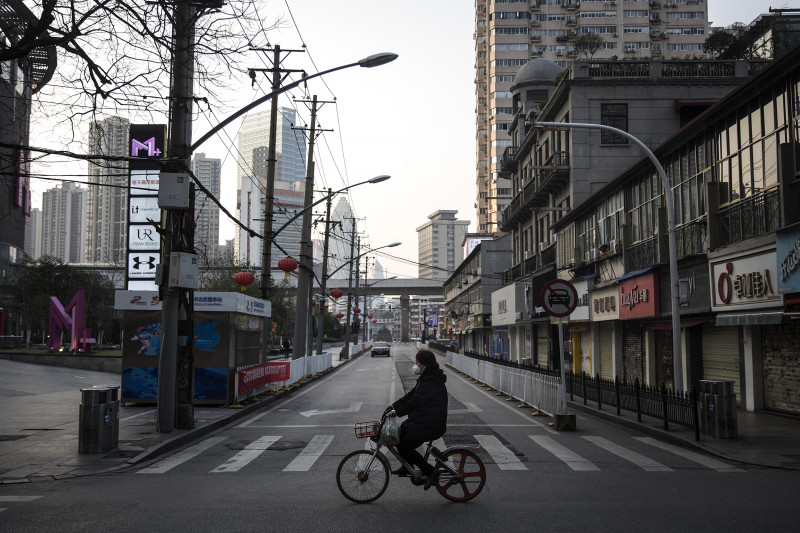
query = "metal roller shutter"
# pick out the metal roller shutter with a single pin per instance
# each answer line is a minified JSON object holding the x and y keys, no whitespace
{"x":721,"y":355}
{"x":780,"y":348}
{"x":606,"y":351}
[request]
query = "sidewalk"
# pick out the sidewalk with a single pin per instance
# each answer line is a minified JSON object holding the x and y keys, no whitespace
{"x":39,"y":432}
{"x":764,"y":438}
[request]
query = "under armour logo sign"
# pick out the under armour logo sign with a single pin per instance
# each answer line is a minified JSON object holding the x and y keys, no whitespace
{"x":151,"y":262}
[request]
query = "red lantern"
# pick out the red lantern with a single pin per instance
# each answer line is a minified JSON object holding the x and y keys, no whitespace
{"x":369,"y":316}
{"x":339,"y":315}
{"x":336,"y":293}
{"x":287,"y":264}
{"x":244,"y":279}
{"x":356,"y":310}
{"x":313,"y":303}
{"x":374,"y":321}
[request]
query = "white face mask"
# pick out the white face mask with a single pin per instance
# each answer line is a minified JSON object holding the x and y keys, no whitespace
{"x":416,"y":369}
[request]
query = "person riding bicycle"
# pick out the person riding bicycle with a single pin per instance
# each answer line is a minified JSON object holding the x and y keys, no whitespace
{"x":426,"y":407}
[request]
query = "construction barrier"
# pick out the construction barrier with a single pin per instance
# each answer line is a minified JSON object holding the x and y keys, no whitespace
{"x":265,"y":377}
{"x":537,"y":390}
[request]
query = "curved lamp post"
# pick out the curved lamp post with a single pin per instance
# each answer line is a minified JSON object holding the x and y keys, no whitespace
{"x":673,"y":243}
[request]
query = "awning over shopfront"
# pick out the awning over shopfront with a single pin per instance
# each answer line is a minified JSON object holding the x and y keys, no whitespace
{"x":749,"y":319}
{"x":685,"y":323}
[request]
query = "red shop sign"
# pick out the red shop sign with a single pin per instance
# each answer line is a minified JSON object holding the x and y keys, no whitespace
{"x":638,"y":297}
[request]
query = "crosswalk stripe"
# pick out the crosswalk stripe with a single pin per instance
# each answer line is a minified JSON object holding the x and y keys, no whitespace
{"x":572,"y":459}
{"x":503,"y":457}
{"x":181,"y":457}
{"x":18,"y":498}
{"x":244,"y":457}
{"x":310,"y":454}
{"x":638,"y":459}
{"x":706,"y":461}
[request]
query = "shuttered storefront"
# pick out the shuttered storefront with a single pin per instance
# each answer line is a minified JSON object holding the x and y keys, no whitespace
{"x":633,"y":349}
{"x":606,"y":351}
{"x":721,"y":355}
{"x":780,"y":348}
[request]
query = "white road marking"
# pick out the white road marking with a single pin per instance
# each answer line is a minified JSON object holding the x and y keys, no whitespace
{"x":151,"y":412}
{"x":181,"y":457}
{"x":706,"y":461}
{"x":354,"y":408}
{"x":639,"y":460}
{"x":246,"y":456}
{"x":470,"y":408}
{"x":18,"y":498}
{"x":572,"y":459}
{"x":503,"y":457}
{"x":310,"y":454}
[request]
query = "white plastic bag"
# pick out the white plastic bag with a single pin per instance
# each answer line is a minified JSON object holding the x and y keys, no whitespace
{"x":390,"y":432}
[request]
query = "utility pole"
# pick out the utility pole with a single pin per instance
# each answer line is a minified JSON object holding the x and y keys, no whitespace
{"x":175,"y":406}
{"x":269,"y":190}
{"x":347,"y":326}
{"x":358,"y":284}
{"x":323,"y":282}
{"x":304,"y":279}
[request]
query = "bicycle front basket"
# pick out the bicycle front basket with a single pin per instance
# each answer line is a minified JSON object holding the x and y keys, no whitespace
{"x":366,"y":429}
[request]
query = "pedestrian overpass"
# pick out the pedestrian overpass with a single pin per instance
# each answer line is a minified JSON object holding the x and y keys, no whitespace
{"x":402,"y":288}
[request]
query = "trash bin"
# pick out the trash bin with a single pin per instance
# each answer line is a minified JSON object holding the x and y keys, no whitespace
{"x":718,"y":409}
{"x":111,"y":427}
{"x":93,"y":420}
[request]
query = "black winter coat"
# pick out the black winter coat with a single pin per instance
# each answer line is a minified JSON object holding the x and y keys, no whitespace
{"x":425,"y":405}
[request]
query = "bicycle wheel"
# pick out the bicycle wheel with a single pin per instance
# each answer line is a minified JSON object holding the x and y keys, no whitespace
{"x":356,"y":483}
{"x":470,"y":480}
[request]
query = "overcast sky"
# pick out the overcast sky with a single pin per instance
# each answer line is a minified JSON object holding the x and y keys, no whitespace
{"x":412,"y":119}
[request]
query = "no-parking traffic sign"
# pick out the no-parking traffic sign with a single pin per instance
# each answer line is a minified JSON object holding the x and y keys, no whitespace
{"x":559,"y":298}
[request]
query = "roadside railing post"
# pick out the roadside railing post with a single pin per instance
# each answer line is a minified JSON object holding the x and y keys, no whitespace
{"x":695,"y":414}
{"x":599,"y":393}
{"x":638,"y":394}
{"x":616,"y":392}
{"x":584,"y":387}
{"x":664,"y":403}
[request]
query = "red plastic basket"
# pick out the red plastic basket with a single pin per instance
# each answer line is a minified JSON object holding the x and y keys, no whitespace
{"x":366,"y":429}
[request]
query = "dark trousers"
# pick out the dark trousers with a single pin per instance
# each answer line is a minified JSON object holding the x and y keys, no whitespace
{"x":408,"y":450}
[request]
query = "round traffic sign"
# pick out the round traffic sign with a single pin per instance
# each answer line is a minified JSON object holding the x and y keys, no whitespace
{"x":559,"y":297}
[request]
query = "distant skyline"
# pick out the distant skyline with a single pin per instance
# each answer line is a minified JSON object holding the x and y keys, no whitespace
{"x":412,"y":119}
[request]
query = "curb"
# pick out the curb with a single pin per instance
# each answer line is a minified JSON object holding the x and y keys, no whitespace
{"x":190,"y":435}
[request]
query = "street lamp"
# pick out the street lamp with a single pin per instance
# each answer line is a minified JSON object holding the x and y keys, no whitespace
{"x":374,"y":60}
{"x":673,"y":243}
{"x":304,"y":278}
{"x":346,"y":349}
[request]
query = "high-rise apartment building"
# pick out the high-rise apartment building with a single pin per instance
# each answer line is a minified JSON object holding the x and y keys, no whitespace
{"x":33,"y":234}
{"x":439,"y":242}
{"x":290,"y":155}
{"x":510,"y":33}
{"x":63,"y":223}
{"x":206,"y":212}
{"x":107,"y":194}
{"x":341,"y":234}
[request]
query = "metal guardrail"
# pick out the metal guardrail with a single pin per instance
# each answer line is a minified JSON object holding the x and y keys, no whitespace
{"x":536,"y":389}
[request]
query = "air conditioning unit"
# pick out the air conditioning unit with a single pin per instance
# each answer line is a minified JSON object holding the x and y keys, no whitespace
{"x":518,"y":316}
{"x":528,"y":254}
{"x":559,"y":53}
{"x":594,"y":254}
{"x":543,"y":246}
{"x":612,"y":246}
{"x":587,"y":257}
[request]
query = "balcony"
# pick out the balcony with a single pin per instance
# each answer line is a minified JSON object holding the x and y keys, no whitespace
{"x":509,"y":163}
{"x":749,"y":218}
{"x":642,"y":255}
{"x":692,"y":238}
{"x":550,"y":178}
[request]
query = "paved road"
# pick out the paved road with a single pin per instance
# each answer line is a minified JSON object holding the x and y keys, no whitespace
{"x":276,"y":470}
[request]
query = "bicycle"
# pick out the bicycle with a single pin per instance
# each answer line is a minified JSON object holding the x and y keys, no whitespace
{"x":363,"y":475}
